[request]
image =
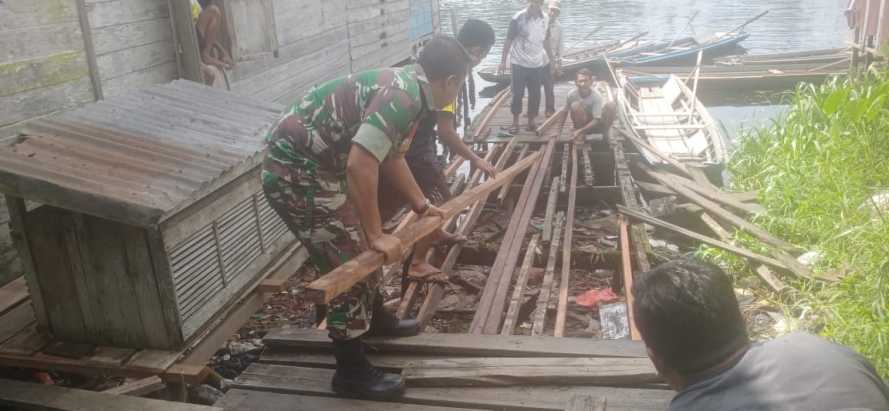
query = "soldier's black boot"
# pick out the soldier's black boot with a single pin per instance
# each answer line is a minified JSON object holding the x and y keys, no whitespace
{"x":355,"y":377}
{"x":386,"y":324}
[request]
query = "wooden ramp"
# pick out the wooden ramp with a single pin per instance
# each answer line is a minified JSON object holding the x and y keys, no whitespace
{"x":456,"y":371}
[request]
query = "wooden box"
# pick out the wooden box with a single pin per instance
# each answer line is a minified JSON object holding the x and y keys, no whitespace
{"x":152,"y":216}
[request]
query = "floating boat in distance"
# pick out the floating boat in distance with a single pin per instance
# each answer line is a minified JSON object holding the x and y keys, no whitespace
{"x":687,"y":52}
{"x":823,"y":56}
{"x":590,"y":57}
{"x":750,"y":77}
{"x":665,"y":113}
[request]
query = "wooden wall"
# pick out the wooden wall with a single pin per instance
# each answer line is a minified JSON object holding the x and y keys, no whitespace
{"x":311,"y":41}
{"x":134,"y":43}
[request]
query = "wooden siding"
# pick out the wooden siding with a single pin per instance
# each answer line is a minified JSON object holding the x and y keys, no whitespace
{"x":344,"y":36}
{"x":133,"y":40}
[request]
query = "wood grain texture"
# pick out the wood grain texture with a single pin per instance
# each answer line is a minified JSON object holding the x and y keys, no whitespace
{"x":468,"y":345}
{"x":518,"y":291}
{"x":50,"y":397}
{"x":627,"y":271}
{"x":249,"y":400}
{"x":565,"y":280}
{"x":529,"y":371}
{"x":586,"y":403}
{"x":546,"y":286}
{"x":12,"y":294}
{"x":314,"y":381}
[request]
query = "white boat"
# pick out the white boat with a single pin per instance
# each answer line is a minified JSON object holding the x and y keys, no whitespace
{"x":663,"y":111}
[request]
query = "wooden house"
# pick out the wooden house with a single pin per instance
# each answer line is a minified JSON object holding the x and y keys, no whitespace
{"x":147,"y":214}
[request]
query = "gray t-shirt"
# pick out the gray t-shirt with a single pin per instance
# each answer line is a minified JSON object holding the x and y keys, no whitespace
{"x":592,"y":103}
{"x":797,"y":372}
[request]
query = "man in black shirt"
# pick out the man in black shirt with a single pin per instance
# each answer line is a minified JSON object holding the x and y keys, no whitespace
{"x":689,"y":319}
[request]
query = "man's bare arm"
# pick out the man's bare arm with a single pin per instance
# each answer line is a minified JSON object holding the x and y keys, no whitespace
{"x":449,"y":136}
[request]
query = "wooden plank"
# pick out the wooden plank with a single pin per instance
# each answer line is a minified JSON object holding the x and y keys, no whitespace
{"x":586,"y":403}
{"x":721,"y":213}
{"x":643,"y":145}
{"x":347,"y":275}
{"x":42,"y":72}
{"x":55,"y":398}
{"x":316,"y":382}
{"x":518,"y":291}
{"x":111,"y":355}
{"x":549,"y":215}
{"x":134,"y":59}
{"x":702,"y":238}
{"x":138,"y":388}
{"x":12,"y":294}
{"x":89,"y":48}
{"x":493,"y":300}
{"x":564,"y":282}
{"x":468,"y":345}
{"x":764,"y":272}
{"x":654,"y":188}
{"x":563,"y":181}
{"x":546,"y":287}
{"x":530,"y":371}
{"x":15,"y":321}
{"x":588,"y":177}
{"x":187,"y":374}
{"x":627,"y":270}
{"x":248,"y":400}
{"x":25,"y":343}
{"x":152,"y":361}
{"x":186,"y":48}
{"x":710,"y":192}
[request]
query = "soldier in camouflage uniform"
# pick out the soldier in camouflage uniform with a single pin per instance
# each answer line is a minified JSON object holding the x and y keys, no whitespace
{"x":321,"y":174}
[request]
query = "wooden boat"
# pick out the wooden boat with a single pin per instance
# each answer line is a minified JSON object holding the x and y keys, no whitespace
{"x":750,"y":77}
{"x":591,"y":57}
{"x":676,"y":54}
{"x":665,"y":113}
{"x":823,"y":56}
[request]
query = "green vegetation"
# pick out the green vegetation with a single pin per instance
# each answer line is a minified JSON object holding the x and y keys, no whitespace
{"x":822,"y":172}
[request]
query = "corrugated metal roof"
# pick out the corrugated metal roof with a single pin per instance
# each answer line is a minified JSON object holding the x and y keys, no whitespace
{"x":141,"y":157}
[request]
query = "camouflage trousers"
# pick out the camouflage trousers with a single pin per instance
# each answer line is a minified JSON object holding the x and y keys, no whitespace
{"x":316,"y":208}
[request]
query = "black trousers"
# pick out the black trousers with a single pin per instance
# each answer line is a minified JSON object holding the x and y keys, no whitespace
{"x":532,"y":78}
{"x":548,"y":94}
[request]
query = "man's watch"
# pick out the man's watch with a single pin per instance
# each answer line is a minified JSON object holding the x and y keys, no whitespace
{"x":424,"y":208}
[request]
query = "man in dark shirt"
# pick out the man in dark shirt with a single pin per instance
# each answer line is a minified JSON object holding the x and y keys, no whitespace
{"x":689,"y":318}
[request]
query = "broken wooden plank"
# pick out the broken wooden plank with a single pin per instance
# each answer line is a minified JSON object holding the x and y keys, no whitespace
{"x":630,"y":197}
{"x":714,"y":194}
{"x":627,"y":270}
{"x":492,"y":108}
{"x":550,"y":210}
{"x":721,"y":213}
{"x":344,"y":277}
{"x":253,"y":400}
{"x":316,"y":382}
{"x":644,"y":146}
{"x":562,"y":308}
{"x":566,"y":156}
{"x":474,"y":372}
{"x":518,"y":292}
{"x":702,"y":238}
{"x":586,"y":403}
{"x":111,"y":355}
{"x":153,"y":361}
{"x":51,"y":397}
{"x":501,"y":196}
{"x":25,"y":343}
{"x":653,"y":188}
{"x":490,"y":311}
{"x":546,"y":286}
{"x":467,"y":345}
{"x":764,"y":272}
{"x":588,"y":177}
{"x":13,"y":294}
{"x":138,"y":388}
{"x":16,"y":320}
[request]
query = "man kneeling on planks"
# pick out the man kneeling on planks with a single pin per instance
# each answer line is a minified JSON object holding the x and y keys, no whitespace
{"x":321,"y":175}
{"x":589,"y":112}
{"x":689,"y":318}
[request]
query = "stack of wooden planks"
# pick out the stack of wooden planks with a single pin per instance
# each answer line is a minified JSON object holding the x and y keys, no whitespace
{"x":456,"y":371}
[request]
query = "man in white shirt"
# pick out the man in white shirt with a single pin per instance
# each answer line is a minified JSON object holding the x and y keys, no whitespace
{"x":526,"y":49}
{"x":556,"y":45}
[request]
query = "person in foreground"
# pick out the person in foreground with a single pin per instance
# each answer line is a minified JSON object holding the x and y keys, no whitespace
{"x":588,"y":110}
{"x":689,"y":319}
{"x":321,"y":174}
{"x":477,"y":37}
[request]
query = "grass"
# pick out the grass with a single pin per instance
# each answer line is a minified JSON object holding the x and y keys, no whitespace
{"x":817,"y":170}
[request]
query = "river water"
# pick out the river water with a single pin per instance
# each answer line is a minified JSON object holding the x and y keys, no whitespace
{"x":790,"y":25}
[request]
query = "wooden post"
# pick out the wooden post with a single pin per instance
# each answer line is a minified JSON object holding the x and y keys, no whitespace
{"x":19,"y":233}
{"x":627,"y":269}
{"x":89,"y":49}
{"x":188,"y":54}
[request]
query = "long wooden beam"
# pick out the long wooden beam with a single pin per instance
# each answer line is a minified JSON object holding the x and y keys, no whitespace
{"x":562,"y":310}
{"x":627,"y":270}
{"x":702,"y":238}
{"x":641,"y":144}
{"x":546,"y":287}
{"x":721,"y":213}
{"x":493,"y":301}
{"x":344,"y":277}
{"x":512,"y":313}
{"x":764,"y":272}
